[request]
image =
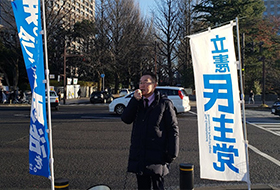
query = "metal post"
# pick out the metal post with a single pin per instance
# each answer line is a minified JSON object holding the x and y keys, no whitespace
{"x":186,"y":176}
{"x":263,"y":74}
{"x":243,"y":105}
{"x":64,"y":71}
{"x":263,"y":79}
{"x":243,"y":57}
{"x":51,"y":159}
{"x":103,"y":83}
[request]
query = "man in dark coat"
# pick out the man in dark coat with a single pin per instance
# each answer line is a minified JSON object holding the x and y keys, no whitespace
{"x":155,"y":134}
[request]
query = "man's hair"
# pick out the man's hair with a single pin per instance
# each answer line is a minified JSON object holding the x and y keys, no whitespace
{"x":153,"y":76}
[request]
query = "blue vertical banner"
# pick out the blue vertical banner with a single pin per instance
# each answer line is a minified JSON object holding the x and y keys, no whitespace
{"x":28,"y":19}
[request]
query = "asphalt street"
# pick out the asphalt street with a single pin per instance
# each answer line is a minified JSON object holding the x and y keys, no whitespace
{"x":91,"y":147}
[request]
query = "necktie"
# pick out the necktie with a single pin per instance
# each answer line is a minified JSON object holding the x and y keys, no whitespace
{"x":146,"y":103}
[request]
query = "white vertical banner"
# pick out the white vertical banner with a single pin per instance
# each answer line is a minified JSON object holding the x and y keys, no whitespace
{"x":221,"y":140}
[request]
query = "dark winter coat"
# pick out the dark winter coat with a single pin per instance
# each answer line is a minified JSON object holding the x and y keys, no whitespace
{"x":155,"y":135}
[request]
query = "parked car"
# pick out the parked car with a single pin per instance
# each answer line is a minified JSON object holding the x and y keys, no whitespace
{"x":177,"y":95}
{"x":53,"y":99}
{"x":101,"y":97}
{"x":123,"y":92}
{"x":275,"y":109}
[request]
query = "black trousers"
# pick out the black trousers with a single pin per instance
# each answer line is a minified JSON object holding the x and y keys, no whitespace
{"x":145,"y":182}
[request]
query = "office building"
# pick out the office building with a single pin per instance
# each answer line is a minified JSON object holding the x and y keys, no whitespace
{"x":272,"y":8}
{"x":73,"y":10}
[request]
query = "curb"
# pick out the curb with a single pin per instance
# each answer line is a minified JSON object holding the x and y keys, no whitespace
{"x":238,"y":187}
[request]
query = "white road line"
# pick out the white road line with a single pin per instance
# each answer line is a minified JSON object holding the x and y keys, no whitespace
{"x":192,"y":112}
{"x":277,"y":124}
{"x":273,"y":129}
{"x":277,"y":162}
{"x":271,"y":126}
{"x":263,"y":128}
{"x":93,"y":117}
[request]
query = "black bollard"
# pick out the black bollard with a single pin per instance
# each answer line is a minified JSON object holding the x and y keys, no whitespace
{"x":61,"y":184}
{"x":186,"y":176}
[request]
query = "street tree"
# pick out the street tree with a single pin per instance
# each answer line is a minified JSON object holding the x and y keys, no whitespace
{"x":218,"y":12}
{"x":11,"y":57}
{"x":59,"y":32}
{"x":188,"y":26}
{"x":126,"y":32}
{"x":83,"y":33}
{"x":215,"y":12}
{"x":263,"y":45}
{"x":167,"y":34}
{"x":101,"y":57}
{"x":12,"y":63}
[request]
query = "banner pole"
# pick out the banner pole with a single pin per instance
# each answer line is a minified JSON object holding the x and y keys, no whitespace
{"x":243,"y":105}
{"x":48,"y":96}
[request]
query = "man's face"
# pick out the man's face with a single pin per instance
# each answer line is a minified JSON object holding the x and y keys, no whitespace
{"x":147,"y":85}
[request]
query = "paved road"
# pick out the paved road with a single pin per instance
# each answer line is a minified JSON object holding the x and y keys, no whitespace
{"x":91,"y":147}
{"x":263,"y":119}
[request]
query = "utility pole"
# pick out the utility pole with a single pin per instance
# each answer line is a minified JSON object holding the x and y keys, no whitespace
{"x":263,"y":77}
{"x":243,"y":57}
{"x":64,"y":75}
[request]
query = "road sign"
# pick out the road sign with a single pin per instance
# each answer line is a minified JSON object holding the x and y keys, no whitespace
{"x":102,"y":75}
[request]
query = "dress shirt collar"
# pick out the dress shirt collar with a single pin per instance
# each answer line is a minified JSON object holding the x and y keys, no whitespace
{"x":151,"y":99}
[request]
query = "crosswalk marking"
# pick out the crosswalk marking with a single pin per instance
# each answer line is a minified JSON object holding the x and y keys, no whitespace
{"x":268,"y":124}
{"x":268,"y":127}
{"x":275,"y":161}
{"x":274,"y":130}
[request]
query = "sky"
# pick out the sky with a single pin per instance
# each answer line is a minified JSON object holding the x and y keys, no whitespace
{"x":146,"y":6}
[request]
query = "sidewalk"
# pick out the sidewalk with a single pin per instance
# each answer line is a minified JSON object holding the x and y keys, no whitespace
{"x":82,"y":100}
{"x":239,"y":187}
{"x":257,"y":105}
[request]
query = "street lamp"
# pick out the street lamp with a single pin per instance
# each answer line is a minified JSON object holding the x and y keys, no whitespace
{"x":64,"y":75}
{"x":102,"y":76}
